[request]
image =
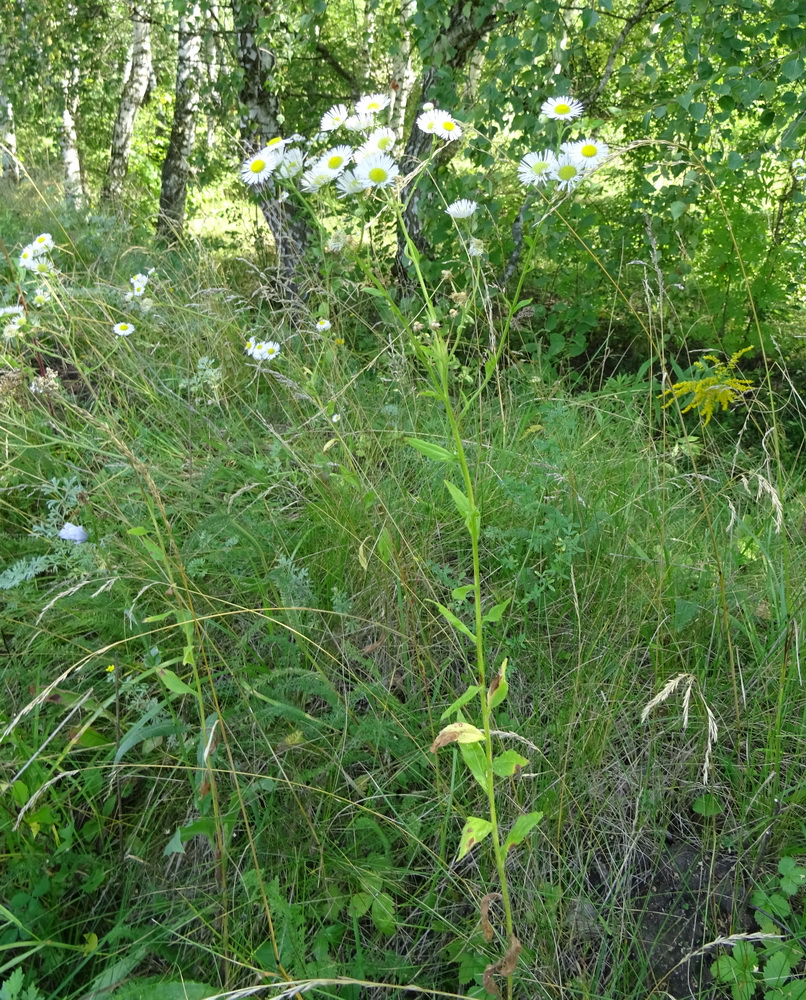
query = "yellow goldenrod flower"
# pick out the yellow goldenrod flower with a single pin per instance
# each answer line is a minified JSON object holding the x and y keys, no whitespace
{"x":716,"y":387}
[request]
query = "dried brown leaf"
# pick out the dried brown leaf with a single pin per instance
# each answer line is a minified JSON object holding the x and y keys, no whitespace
{"x":484,"y":906}
{"x":503,"y":967}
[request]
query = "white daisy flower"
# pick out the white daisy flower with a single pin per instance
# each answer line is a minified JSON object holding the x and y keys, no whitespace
{"x":258,"y":169}
{"x":266,"y":351}
{"x":475,"y":248}
{"x":13,"y":329}
{"x":447,"y":128}
{"x":377,"y":170}
{"x":334,"y":118}
{"x":276,"y":145}
{"x":371,"y":104}
{"x":139,"y":279}
{"x":336,"y":159}
{"x":462,"y":209}
{"x":12,"y":310}
{"x":123,"y":329}
{"x":40,"y":297}
{"x":291,"y":164}
{"x":348,"y":183}
{"x":535,"y":168}
{"x":359,"y":123}
{"x":322,"y":325}
{"x":568,"y":172}
{"x":335,"y":418}
{"x":382,"y":140}
{"x":589,"y":152}
{"x":41,"y":266}
{"x":427,"y":121}
{"x":316,"y":178}
{"x":28,"y":255}
{"x":561,"y":108}
{"x":43,"y":243}
{"x":799,"y":164}
{"x":73,"y":533}
{"x":250,"y":346}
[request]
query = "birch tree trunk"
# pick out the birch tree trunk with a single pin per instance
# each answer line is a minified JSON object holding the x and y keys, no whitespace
{"x":9,"y":164}
{"x":260,"y":105}
{"x":452,"y":49}
{"x":176,"y":166}
{"x":73,"y":184}
{"x":403,"y":75}
{"x":213,"y":62}
{"x":135,"y":85}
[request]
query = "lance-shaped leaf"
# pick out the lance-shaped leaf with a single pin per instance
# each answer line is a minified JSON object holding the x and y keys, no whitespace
{"x":521,"y":829}
{"x":456,"y":622}
{"x":461,"y":501}
{"x":508,"y":763}
{"x":499,"y":687}
{"x":494,"y":614}
{"x":460,"y":702}
{"x":457,"y":732}
{"x":475,"y":757}
{"x":430,"y":450}
{"x":474,"y":831}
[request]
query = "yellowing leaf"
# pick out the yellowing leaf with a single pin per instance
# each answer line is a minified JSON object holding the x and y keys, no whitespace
{"x":457,"y":732}
{"x":473,"y":832}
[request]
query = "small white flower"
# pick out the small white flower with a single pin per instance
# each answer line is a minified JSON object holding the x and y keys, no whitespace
{"x":799,"y":164}
{"x":258,"y":169}
{"x":276,"y":145}
{"x":40,"y":297}
{"x":334,"y":118}
{"x":335,"y":418}
{"x":250,"y":346}
{"x":123,"y":329}
{"x":475,"y":248}
{"x":322,"y":325}
{"x":335,"y":160}
{"x":427,"y":121}
{"x":535,"y":168}
{"x":428,"y":106}
{"x":447,"y":128}
{"x":561,"y":108}
{"x":292,"y":162}
{"x":42,"y":265}
{"x":462,"y":209}
{"x":371,"y":104}
{"x":568,"y":172}
{"x":265,"y":350}
{"x":381,"y":140}
{"x":138,"y":283}
{"x":377,"y":170}
{"x":28,"y":255}
{"x":348,"y":184}
{"x":589,"y":152}
{"x":316,"y":178}
{"x":73,"y":533}
{"x":146,"y":305}
{"x":12,"y":310}
{"x":43,"y":243}
{"x":359,"y":123}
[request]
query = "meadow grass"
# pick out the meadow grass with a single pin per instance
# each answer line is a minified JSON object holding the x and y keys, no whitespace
{"x":218,"y":709}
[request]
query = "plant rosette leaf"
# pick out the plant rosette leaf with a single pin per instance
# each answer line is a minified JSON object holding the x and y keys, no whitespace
{"x":474,"y":831}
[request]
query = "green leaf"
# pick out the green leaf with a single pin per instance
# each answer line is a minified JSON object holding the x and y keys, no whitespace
{"x":430,"y":450}
{"x":460,"y":593}
{"x":771,"y":902}
{"x":157,"y":618}
{"x":172,"y":682}
{"x":137,"y":532}
{"x":383,"y":913}
{"x":735,"y":160}
{"x":697,"y":110}
{"x":204,"y":827}
{"x":457,"y":624}
{"x":707,"y":805}
{"x":461,"y":501}
{"x":473,"y":832}
{"x":507,"y":763}
{"x":360,"y":902}
{"x":494,"y":614}
{"x":521,"y":829}
{"x":677,"y":208}
{"x":794,"y":990}
{"x":499,"y":688}
{"x":793,"y":877}
{"x":777,"y":969}
{"x":475,"y":757}
{"x":792,"y":69}
{"x":460,"y":702}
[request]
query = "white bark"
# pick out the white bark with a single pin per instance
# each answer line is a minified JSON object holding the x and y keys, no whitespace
{"x":73,"y":185}
{"x":134,"y":90}
{"x":176,"y":166}
{"x":213,"y":62}
{"x":9,"y":164}
{"x":403,"y":75}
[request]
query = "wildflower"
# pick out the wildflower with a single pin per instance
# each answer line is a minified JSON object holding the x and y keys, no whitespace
{"x":475,"y":248}
{"x":146,"y":305}
{"x":11,"y":311}
{"x":41,"y":266}
{"x":377,"y":170}
{"x":535,"y":168}
{"x":381,"y":140}
{"x":73,"y":533}
{"x":123,"y":329}
{"x":335,"y":418}
{"x":42,"y":243}
{"x":561,"y":108}
{"x":138,"y":283}
{"x":316,"y":178}
{"x":275,"y":145}
{"x":334,"y":118}
{"x":718,"y":386}
{"x":359,"y":123}
{"x":339,"y":341}
{"x":266,"y":351}
{"x":40,"y":297}
{"x":47,"y":384}
{"x":13,"y":329}
{"x":567,"y":172}
{"x":348,"y":183}
{"x":588,"y":152}
{"x":27,"y":255}
{"x":258,"y":168}
{"x":371,"y":104}
{"x":322,"y":325}
{"x":291,"y":164}
{"x":461,"y":209}
{"x":428,"y":121}
{"x":799,"y":164}
{"x":335,"y":159}
{"x":111,"y":668}
{"x":250,"y":346}
{"x":447,"y":128}
{"x":428,"y":106}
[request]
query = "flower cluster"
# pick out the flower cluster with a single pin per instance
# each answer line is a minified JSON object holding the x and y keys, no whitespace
{"x":35,"y":257}
{"x":715,"y":387}
{"x":262,"y":350}
{"x":569,"y":165}
{"x":16,"y":321}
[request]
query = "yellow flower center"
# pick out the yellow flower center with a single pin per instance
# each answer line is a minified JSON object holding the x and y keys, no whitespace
{"x":373,"y":106}
{"x":384,"y":143}
{"x":568,"y":172}
{"x":588,"y":149}
{"x":562,"y":109}
{"x":270,"y":350}
{"x":540,"y":168}
{"x":449,"y":126}
{"x":334,"y":162}
{"x":257,"y":165}
{"x":123,"y":327}
{"x":377,"y":175}
{"x":273,"y":142}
